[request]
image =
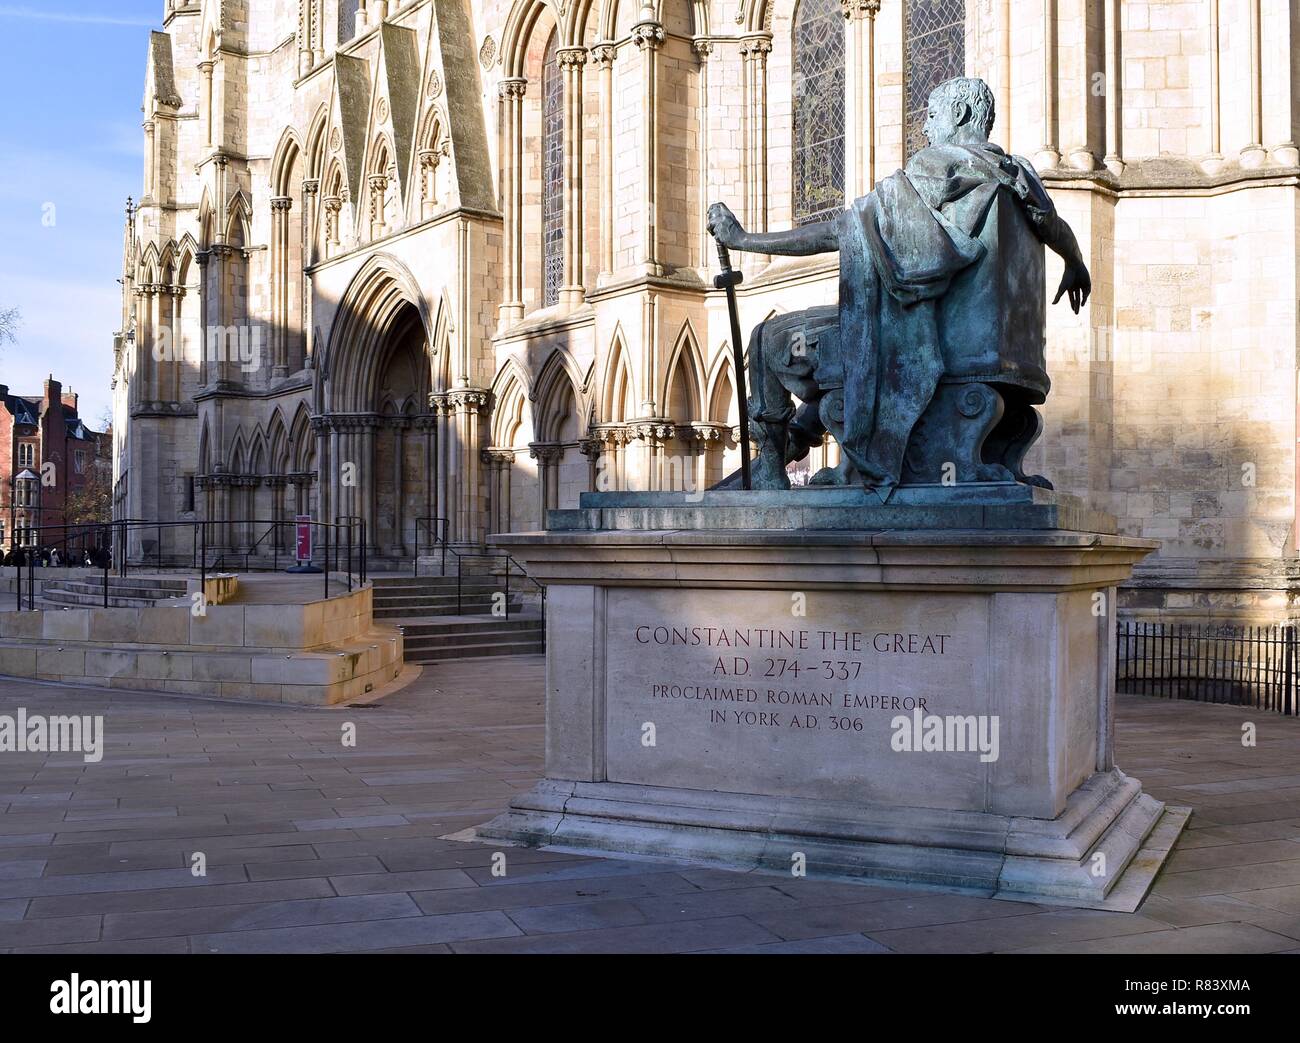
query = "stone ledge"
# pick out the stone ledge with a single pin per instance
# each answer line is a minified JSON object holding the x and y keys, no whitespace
{"x":969,"y":852}
{"x":319,"y":677}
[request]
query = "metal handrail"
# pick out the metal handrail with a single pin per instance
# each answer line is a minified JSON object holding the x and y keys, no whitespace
{"x":438,"y":523}
{"x":117,"y":533}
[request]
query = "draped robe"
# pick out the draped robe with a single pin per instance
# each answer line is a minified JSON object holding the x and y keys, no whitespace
{"x":900,"y":249}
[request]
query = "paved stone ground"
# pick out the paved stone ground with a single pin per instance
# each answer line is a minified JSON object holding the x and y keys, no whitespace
{"x":312,"y":847}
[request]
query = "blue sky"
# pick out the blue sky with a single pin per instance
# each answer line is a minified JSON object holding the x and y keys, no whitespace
{"x":72,"y":76}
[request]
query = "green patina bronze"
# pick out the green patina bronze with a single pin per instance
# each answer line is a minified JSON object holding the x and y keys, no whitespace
{"x":928,"y":370}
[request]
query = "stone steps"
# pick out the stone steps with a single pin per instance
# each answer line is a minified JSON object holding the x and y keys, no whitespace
{"x":128,"y":592}
{"x":472,"y":630}
{"x":474,"y":640}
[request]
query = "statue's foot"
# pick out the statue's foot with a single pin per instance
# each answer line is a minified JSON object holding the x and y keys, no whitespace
{"x":768,"y":474}
{"x":841,"y":474}
{"x":1038,"y":480}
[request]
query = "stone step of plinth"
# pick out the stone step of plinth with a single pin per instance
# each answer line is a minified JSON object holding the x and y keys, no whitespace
{"x":415,"y":628}
{"x":438,"y":653}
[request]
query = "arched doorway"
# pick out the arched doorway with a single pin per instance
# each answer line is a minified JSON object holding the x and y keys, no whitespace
{"x":384,"y":430}
{"x":402,"y":468}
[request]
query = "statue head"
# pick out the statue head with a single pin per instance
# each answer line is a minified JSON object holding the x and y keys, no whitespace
{"x":960,"y":112}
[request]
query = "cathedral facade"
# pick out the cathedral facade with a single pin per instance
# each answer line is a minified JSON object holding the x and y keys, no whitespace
{"x":443,"y":264}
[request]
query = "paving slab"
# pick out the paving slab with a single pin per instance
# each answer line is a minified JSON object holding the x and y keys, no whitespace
{"x":313,"y":846}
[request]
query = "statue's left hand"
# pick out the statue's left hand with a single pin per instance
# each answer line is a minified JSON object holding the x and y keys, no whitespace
{"x":1077,"y":283}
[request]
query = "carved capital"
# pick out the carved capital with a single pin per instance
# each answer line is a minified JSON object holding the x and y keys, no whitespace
{"x":512,"y":89}
{"x":649,"y":35}
{"x":860,"y":8}
{"x":603,"y":55}
{"x":759,"y":47}
{"x":546,"y":452}
{"x":470,"y":400}
{"x":571,"y":57}
{"x":703,"y":48}
{"x":311,"y":185}
{"x":281,"y":204}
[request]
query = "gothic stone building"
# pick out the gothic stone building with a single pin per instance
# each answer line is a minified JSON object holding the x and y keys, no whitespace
{"x":421,"y":259}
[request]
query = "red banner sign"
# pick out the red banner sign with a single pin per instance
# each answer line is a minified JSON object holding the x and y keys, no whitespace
{"x":303,"y":522}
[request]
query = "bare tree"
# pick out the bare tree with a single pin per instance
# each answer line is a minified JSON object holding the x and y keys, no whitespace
{"x":10,"y":320}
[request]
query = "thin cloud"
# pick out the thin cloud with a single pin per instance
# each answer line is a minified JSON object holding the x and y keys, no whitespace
{"x":63,"y":16}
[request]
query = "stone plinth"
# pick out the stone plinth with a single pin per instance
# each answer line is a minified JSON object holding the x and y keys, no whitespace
{"x":761,"y":697}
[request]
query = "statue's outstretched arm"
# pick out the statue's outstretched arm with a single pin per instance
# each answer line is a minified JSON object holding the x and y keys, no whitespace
{"x":1059,"y":238}
{"x":821,"y":238}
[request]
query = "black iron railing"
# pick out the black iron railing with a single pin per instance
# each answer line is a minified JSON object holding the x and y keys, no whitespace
{"x":1239,"y":665}
{"x":333,"y":544}
{"x":435,"y":539}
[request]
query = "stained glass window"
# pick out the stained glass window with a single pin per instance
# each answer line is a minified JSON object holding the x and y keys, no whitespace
{"x":936,"y":51}
{"x":818,"y":111}
{"x":552,"y":176}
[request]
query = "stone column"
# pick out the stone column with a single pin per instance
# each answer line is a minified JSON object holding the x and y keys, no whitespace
{"x":204,"y":293}
{"x":1253,"y":154}
{"x":150,"y":161}
{"x":468,"y":404}
{"x":512,"y":93}
{"x":603,"y":55}
{"x":310,"y":205}
{"x":318,"y":32}
{"x":333,"y":204}
{"x":280,"y":207}
{"x":367,"y":486}
{"x":753,"y":52}
{"x":306,"y":14}
{"x":335,"y":507}
{"x":428,"y":159}
{"x":398,"y":548}
{"x":205,"y":69}
{"x":1049,"y":153}
{"x":178,"y":344}
{"x":571,"y":61}
{"x":860,"y":107}
{"x":378,"y":187}
{"x":1114,"y":84}
{"x":703,"y":51}
{"x":649,"y":37}
{"x":441,"y":438}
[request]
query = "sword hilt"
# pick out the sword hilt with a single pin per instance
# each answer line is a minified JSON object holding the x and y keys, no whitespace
{"x":729,"y":276}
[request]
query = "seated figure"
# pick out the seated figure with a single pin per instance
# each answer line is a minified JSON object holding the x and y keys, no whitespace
{"x":929,"y":368}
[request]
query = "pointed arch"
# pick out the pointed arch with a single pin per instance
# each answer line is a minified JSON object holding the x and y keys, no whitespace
{"x":278,"y":443}
{"x":722,"y":388}
{"x":148,"y":265}
{"x":205,"y":448}
{"x":518,"y":32}
{"x":683,"y":389}
{"x":207,"y":220}
{"x":372,"y":303}
{"x":237,"y":454}
{"x":257,"y":453}
{"x":510,"y":401}
{"x":287,"y":155}
{"x":187,"y":253}
{"x":302,"y":445}
{"x":239,"y":224}
{"x":316,"y":142}
{"x":617,"y":388}
{"x":557,"y":401}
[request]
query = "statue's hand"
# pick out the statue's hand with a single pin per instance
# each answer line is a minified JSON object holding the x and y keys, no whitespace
{"x":1077,"y":283}
{"x":724,"y":227}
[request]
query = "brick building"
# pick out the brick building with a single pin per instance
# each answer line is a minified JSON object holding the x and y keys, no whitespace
{"x":46,"y":438}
